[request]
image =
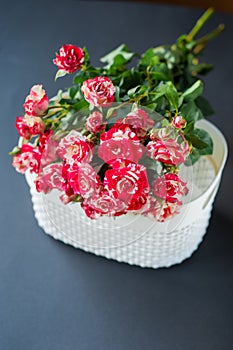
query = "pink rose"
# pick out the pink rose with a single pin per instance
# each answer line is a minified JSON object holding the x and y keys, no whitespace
{"x":28,"y":158}
{"x":37,"y":102}
{"x":167,"y":151}
{"x":75,"y":147}
{"x":70,"y":58}
{"x":98,"y":91}
{"x":103,"y":204}
{"x":120,"y":142}
{"x":95,"y":123}
{"x":139,"y":121}
{"x":127,"y":182}
{"x":83,"y":180}
{"x":169,"y":186}
{"x":22,"y":128}
{"x":49,"y":178}
{"x":179,"y":122}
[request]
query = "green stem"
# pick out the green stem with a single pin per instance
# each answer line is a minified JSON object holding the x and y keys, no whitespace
{"x":200,"y":43}
{"x":200,"y":23}
{"x":56,"y":119}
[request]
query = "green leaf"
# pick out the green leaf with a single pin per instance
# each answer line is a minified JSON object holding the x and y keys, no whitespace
{"x":117,"y":94}
{"x":193,"y":157}
{"x":67,"y":121}
{"x":194,"y":91}
{"x":72,"y":91}
{"x":134,"y":91}
{"x":14,"y":151}
{"x":189,"y":127}
{"x":87,"y":56}
{"x":73,"y":120}
{"x":149,"y":58}
{"x":172,"y":95}
{"x":160,"y":72}
{"x":196,"y":141}
{"x":80,"y":105}
{"x":60,"y":73}
{"x":79,"y":79}
{"x":122,"y":55}
{"x":204,"y":106}
{"x":59,"y":95}
{"x":206,"y":138}
{"x":203,"y":136}
{"x":151,"y":106}
{"x":191,"y":112}
{"x":128,"y":80}
{"x":149,"y":163}
{"x":201,"y":140}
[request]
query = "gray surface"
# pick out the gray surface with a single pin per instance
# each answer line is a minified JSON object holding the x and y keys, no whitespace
{"x":55,"y":297}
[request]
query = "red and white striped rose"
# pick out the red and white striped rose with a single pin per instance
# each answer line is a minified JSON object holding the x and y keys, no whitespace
{"x":95,"y":122}
{"x":170,"y":187}
{"x":70,"y":58}
{"x":28,"y":159}
{"x":167,"y":151}
{"x":98,"y":91}
{"x":36,"y":102}
{"x":50,"y":177}
{"x":139,"y":121}
{"x":103,"y":204}
{"x":120,"y":142}
{"x":83,"y":180}
{"x":75,"y":147}
{"x":127,"y":182}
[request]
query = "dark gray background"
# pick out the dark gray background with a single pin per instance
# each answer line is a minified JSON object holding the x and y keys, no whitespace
{"x":53,"y":296}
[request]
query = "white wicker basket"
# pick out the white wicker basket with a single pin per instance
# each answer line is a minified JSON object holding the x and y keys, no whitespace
{"x":134,"y":239}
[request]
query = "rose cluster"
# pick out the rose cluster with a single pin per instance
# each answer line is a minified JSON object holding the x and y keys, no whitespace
{"x":111,"y":168}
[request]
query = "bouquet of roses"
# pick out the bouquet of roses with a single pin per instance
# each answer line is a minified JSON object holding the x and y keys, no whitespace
{"x":116,"y":139}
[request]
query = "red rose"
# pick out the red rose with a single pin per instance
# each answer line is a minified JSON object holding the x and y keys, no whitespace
{"x":22,"y":128}
{"x":75,"y":147}
{"x":103,"y":204}
{"x":98,"y":91}
{"x":128,"y":182}
{"x":49,"y":178}
{"x":95,"y":123}
{"x":70,"y":59}
{"x":169,"y":186}
{"x":28,"y":158}
{"x":120,"y":142}
{"x":167,"y":151}
{"x":139,"y":121}
{"x":37,"y":102}
{"x":83,"y":180}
